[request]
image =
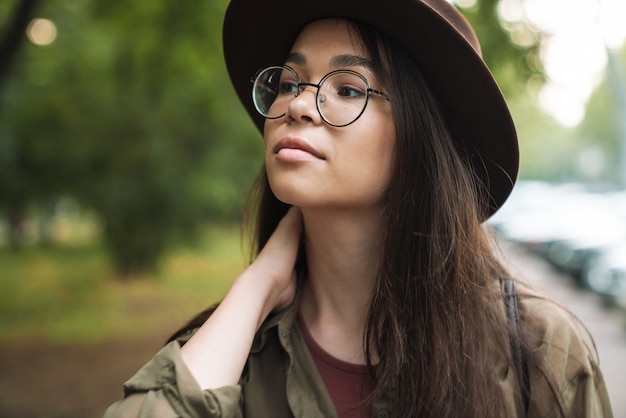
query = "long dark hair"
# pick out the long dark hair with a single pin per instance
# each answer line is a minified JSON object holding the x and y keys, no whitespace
{"x":435,"y":311}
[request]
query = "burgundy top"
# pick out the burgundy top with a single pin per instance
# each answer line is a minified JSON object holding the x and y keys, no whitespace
{"x":347,"y":384}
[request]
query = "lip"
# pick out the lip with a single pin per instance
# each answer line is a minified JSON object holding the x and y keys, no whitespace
{"x":296,"y":146}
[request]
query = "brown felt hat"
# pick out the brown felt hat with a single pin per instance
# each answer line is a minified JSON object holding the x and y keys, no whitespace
{"x":258,"y":33}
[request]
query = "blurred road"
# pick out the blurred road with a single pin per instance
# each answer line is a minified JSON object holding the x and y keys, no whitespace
{"x":608,"y":327}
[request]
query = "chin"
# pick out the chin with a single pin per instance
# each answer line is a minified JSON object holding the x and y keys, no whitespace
{"x":291,"y":199}
{"x":289,"y":190}
{"x":286,"y":194}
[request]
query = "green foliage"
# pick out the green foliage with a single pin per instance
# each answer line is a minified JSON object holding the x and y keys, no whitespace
{"x":604,"y":126}
{"x":130,"y":111}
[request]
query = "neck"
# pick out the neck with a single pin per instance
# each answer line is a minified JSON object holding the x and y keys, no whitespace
{"x":342,"y":258}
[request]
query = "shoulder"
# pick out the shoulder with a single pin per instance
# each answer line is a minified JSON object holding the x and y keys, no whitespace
{"x":555,"y":333}
{"x":561,"y":353}
{"x":562,"y":360}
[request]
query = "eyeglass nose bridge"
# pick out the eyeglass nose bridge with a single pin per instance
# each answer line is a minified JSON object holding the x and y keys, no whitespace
{"x":302,"y":86}
{"x":319,"y":98}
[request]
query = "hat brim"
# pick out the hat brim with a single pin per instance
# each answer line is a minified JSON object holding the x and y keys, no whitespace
{"x":261,"y":33}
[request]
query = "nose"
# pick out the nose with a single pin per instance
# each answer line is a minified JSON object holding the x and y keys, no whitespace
{"x":303,"y":107}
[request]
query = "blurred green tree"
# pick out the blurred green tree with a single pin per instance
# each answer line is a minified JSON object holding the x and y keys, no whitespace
{"x":604,"y":125}
{"x":129,"y":111}
{"x":18,"y":15}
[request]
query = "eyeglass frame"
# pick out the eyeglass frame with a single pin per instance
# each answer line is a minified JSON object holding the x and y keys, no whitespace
{"x":301,"y":86}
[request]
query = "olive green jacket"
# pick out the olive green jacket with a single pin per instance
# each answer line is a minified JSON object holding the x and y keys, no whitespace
{"x":280,"y":378}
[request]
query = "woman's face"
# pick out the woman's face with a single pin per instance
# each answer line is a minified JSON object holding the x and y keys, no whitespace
{"x":313,"y":164}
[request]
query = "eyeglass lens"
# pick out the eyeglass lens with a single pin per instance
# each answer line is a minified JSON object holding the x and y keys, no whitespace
{"x":341,"y":97}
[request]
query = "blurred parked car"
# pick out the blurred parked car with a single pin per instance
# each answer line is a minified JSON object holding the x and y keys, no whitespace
{"x":580,"y":232}
{"x":606,"y":274}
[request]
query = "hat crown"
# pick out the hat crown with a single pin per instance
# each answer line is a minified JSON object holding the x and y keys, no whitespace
{"x":456,"y":20}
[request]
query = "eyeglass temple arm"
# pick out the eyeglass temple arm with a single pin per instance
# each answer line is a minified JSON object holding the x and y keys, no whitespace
{"x":379,"y":93}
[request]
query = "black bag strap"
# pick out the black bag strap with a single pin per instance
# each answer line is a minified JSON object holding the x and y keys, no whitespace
{"x":511,"y":305}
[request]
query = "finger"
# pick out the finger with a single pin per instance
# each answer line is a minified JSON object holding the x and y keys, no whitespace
{"x":291,"y":223}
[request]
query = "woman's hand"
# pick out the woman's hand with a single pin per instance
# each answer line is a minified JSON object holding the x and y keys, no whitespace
{"x":276,"y":261}
{"x":217,"y":352}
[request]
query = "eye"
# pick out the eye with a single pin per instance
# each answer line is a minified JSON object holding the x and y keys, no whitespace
{"x":350,"y":92}
{"x":345,"y":85}
{"x":288,"y":83}
{"x":287,"y":87}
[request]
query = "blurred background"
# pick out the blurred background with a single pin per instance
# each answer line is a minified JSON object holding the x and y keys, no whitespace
{"x":125,"y":159}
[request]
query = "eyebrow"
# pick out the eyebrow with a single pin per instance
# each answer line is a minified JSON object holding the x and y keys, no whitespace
{"x":338,"y":61}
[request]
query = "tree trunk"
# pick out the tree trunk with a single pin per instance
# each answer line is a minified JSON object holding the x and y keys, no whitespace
{"x":14,"y":37}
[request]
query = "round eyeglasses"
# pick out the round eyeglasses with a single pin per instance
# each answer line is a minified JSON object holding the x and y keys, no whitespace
{"x":341,"y":97}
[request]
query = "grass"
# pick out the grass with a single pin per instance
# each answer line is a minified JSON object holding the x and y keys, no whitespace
{"x":70,"y":294}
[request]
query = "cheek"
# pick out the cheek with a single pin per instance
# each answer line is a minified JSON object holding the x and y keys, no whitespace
{"x":372,"y":160}
{"x":385,"y":168}
{"x":385,"y":153}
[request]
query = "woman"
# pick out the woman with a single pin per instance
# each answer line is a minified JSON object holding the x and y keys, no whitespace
{"x":375,"y":291}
